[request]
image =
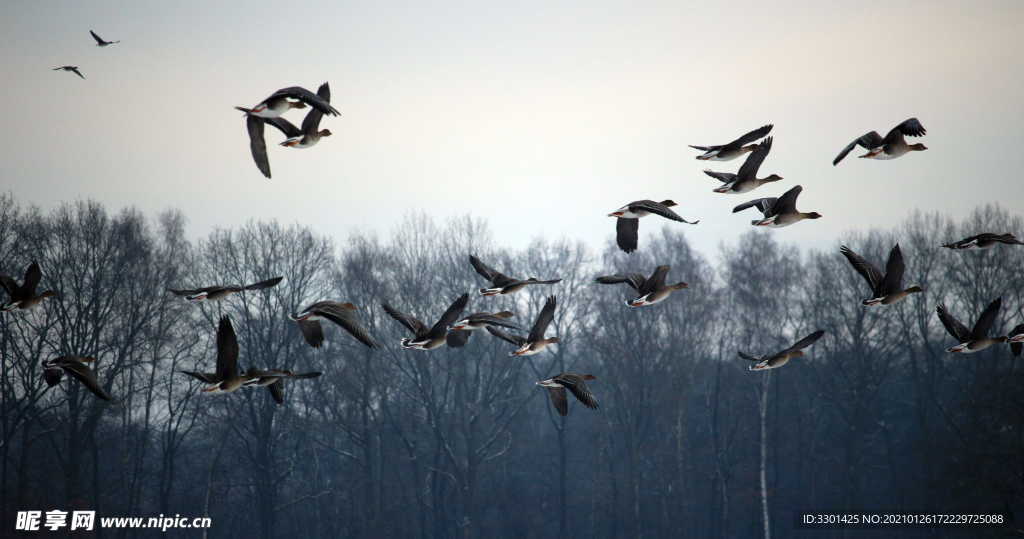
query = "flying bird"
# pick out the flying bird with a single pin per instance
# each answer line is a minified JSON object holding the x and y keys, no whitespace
{"x":535,"y":341}
{"x":285,"y":99}
{"x":273,"y":380}
{"x":460,"y":332}
{"x":627,"y":224}
{"x":340,"y":313}
{"x":306,"y":137}
{"x":24,"y":296}
{"x":99,"y":40}
{"x":984,"y":240}
{"x":778,"y":212}
{"x":782,"y":357}
{"x":227,"y":378}
{"x":576,"y":383}
{"x":746,"y":179}
{"x":78,"y":368}
{"x":734,"y":149}
{"x":650,"y":290}
{"x":975,"y":339}
{"x":72,"y":69}
{"x":428,"y":338}
{"x":890,"y":147}
{"x":887,"y":289}
{"x":219,"y":292}
{"x":501,"y":283}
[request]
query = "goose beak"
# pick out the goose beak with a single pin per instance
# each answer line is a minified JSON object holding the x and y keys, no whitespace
{"x":615,"y":214}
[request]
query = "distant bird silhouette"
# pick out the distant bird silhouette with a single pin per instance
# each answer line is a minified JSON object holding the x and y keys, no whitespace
{"x":99,"y":40}
{"x":734,"y":149}
{"x":73,"y":69}
{"x":890,"y":147}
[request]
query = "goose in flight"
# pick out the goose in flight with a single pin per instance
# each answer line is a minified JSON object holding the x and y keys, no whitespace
{"x":975,"y":339}
{"x":576,"y":383}
{"x":885,"y":289}
{"x":23,"y":296}
{"x":734,"y":149}
{"x":627,"y":223}
{"x":72,"y":69}
{"x":745,"y":179}
{"x":306,"y":137}
{"x":78,"y":368}
{"x":984,"y":240}
{"x":460,"y":332}
{"x":428,"y":338}
{"x":99,"y":40}
{"x":650,"y":290}
{"x":535,"y":341}
{"x":778,"y":212}
{"x":501,"y":283}
{"x":340,"y":313}
{"x":892,"y":146}
{"x":782,"y":357}
{"x":285,"y":99}
{"x":219,"y":292}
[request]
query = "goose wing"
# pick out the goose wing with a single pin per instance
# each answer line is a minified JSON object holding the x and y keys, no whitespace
{"x":764,"y":205}
{"x":953,"y":326}
{"x":450,"y":316}
{"x":339,"y":314}
{"x":311,"y":123}
{"x":411,"y":323}
{"x":579,"y":389}
{"x":724,"y":177}
{"x":257,"y":145}
{"x":627,"y":233}
{"x":753,"y":162}
{"x":868,"y":141}
{"x":86,"y":376}
{"x":749,"y":137}
{"x":540,"y":326}
{"x":984,"y":322}
{"x":32,"y":277}
{"x":227,"y":350}
{"x":866,"y":269}
{"x":497,"y":278}
{"x":893,"y":281}
{"x":505,"y":336}
{"x":634,"y":280}
{"x":805,"y":342}
{"x":655,"y":281}
{"x":307,"y":97}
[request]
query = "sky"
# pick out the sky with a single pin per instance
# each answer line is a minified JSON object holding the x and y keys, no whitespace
{"x":541,"y":117}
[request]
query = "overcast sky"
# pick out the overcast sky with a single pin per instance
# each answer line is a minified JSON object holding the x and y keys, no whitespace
{"x":540,"y":116}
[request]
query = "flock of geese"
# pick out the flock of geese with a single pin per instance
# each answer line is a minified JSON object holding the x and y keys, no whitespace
{"x":454,"y":329}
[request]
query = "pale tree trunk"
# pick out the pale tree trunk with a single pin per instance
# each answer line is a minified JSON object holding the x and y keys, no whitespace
{"x":764,"y":455}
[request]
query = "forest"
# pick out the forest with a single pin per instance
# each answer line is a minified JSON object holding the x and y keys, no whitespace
{"x":461,"y":443}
